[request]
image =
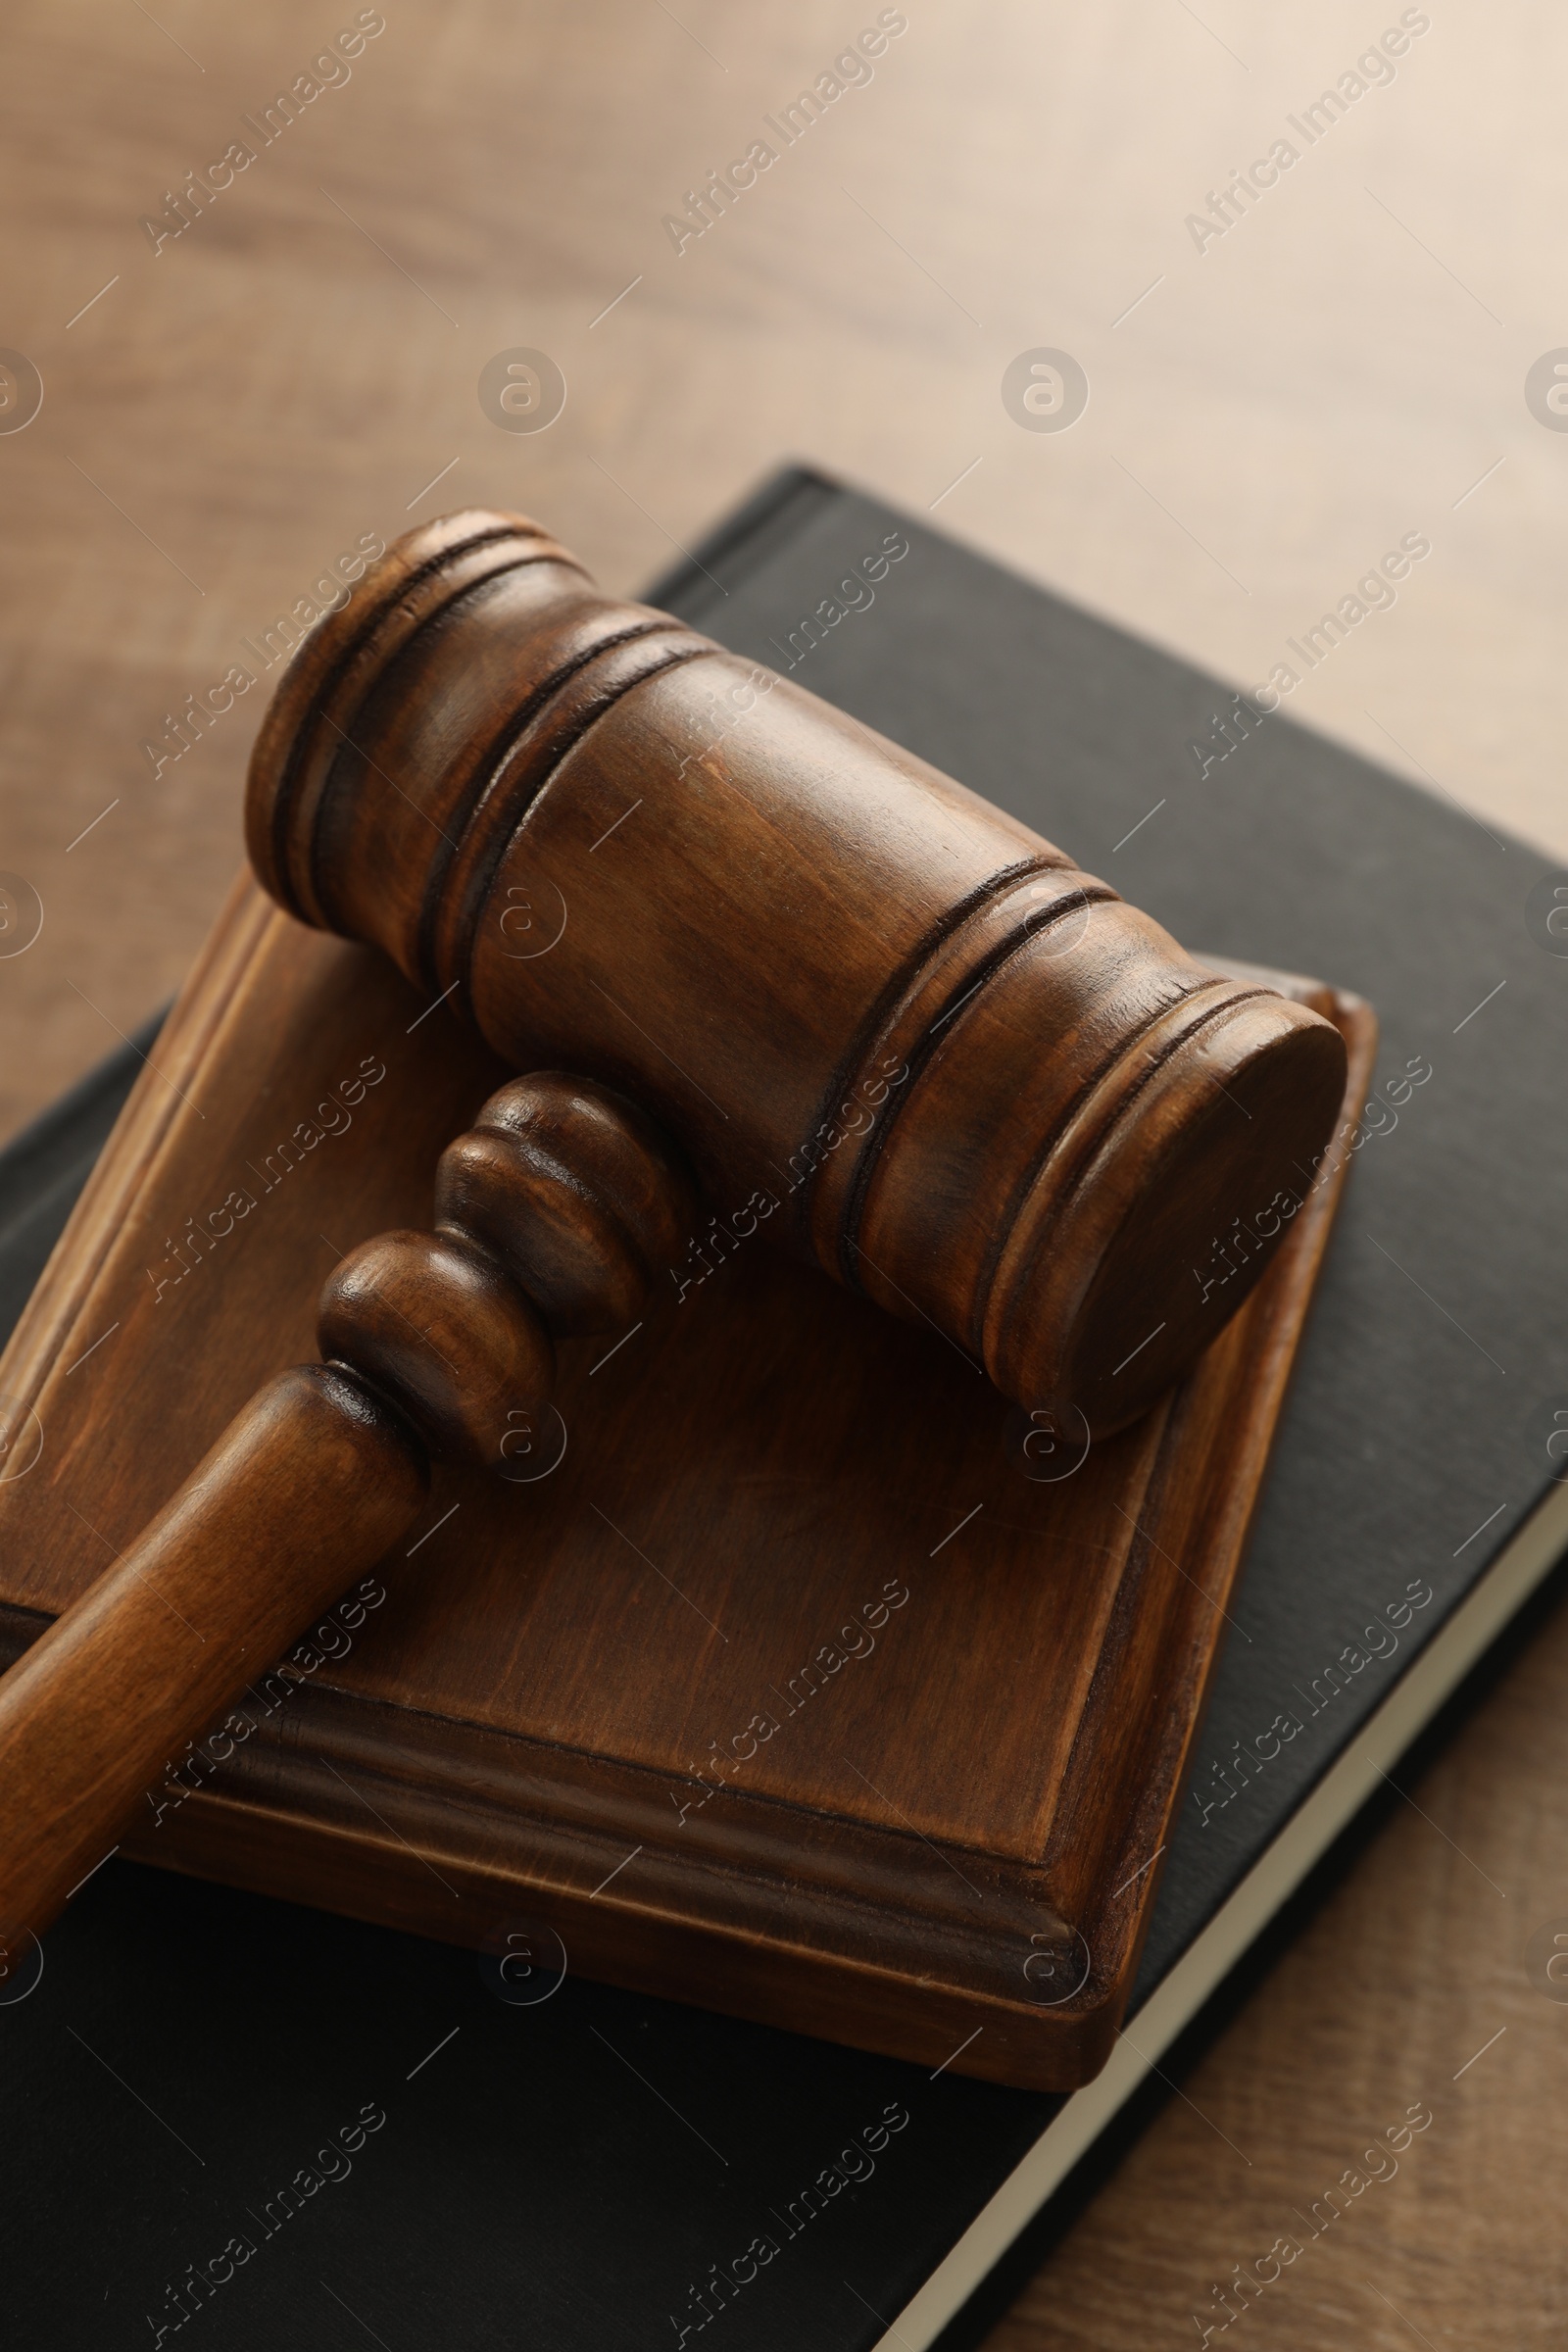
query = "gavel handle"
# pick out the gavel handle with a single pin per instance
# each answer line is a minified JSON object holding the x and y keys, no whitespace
{"x":553,"y":1212}
{"x":308,"y":1486}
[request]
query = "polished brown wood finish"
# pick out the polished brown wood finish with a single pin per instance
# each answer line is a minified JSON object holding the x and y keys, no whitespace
{"x":994,"y":1097}
{"x":892,"y":1027}
{"x":304,"y":1491}
{"x":576,"y":1193}
{"x":765,"y":1501}
{"x":436,"y":1324}
{"x":432,"y":1345}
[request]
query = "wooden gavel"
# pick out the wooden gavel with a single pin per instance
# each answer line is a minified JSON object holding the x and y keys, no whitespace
{"x":787,"y":966}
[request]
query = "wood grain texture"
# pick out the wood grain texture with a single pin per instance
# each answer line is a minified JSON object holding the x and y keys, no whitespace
{"x":302,"y":1493}
{"x":890,"y":1027}
{"x":722,"y":1682}
{"x":274,"y":387}
{"x":578,"y":1193}
{"x":429,"y":1345}
{"x":438,"y":1326}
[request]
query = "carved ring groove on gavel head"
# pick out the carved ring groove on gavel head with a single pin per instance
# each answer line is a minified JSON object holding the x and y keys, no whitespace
{"x":878,"y":1014}
{"x":883,"y":1021}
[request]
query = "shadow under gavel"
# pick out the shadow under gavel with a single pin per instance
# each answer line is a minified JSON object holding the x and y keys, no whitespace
{"x":760,"y":954}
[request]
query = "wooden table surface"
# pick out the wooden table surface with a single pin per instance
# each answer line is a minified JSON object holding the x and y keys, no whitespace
{"x":1269,"y":409}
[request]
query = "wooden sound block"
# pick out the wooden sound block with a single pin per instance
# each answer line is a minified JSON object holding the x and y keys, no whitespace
{"x":778,"y":1680}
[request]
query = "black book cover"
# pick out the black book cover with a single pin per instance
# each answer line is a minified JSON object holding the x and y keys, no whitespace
{"x":267,"y":2124}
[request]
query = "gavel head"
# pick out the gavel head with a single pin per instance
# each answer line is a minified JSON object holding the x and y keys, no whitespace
{"x":893,"y":1029}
